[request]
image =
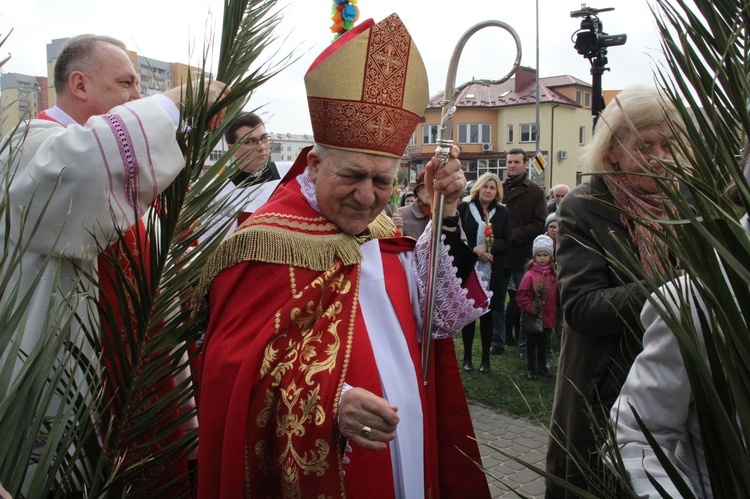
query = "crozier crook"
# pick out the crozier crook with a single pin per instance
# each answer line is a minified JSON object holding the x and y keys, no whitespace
{"x":445,"y":141}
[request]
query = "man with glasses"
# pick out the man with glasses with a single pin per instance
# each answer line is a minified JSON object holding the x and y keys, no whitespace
{"x":253,"y":151}
{"x":254,"y":170}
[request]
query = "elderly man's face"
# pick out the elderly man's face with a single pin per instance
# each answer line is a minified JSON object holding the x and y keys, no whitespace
{"x":560,"y":193}
{"x":352,"y":188}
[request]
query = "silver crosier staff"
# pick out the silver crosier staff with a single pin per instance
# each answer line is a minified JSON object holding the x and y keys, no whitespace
{"x":443,"y":153}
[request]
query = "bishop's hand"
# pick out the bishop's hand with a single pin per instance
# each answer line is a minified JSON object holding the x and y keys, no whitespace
{"x":366,"y":419}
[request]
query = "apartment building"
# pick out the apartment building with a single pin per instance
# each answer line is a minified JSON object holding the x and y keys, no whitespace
{"x":21,"y":97}
{"x":287,"y":146}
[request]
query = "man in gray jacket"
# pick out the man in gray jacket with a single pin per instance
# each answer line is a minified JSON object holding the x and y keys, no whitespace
{"x":416,"y":215}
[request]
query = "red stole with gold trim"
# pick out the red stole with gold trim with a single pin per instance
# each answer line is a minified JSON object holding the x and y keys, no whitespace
{"x":448,"y":472}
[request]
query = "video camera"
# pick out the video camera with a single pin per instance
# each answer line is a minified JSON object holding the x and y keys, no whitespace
{"x":591,"y":41}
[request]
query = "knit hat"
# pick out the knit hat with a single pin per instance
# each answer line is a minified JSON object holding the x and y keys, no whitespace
{"x":368,"y":90}
{"x":543,"y":244}
{"x":550,"y":218}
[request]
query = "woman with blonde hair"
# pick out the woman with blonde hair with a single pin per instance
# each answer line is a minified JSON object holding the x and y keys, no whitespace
{"x":601,"y":304}
{"x":486,"y":223}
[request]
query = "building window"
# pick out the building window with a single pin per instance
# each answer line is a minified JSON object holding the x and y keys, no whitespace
{"x":413,"y":140}
{"x":581,"y":135}
{"x":214,"y":155}
{"x":470,"y":133}
{"x":587,"y":99}
{"x":510,"y":134}
{"x":528,"y":132}
{"x":579,"y":97}
{"x":429,"y":134}
{"x":489,"y":166}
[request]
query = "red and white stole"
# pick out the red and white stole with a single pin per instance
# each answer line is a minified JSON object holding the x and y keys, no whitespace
{"x":132,"y":254}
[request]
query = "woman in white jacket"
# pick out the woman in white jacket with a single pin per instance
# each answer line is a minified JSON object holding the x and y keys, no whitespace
{"x":658,"y":389}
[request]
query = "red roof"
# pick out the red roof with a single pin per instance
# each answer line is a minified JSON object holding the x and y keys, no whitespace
{"x":481,"y":94}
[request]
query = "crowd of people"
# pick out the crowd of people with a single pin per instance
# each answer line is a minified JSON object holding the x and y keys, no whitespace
{"x":312,"y":384}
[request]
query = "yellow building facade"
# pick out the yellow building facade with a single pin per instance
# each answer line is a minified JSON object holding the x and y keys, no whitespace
{"x":491,"y":119}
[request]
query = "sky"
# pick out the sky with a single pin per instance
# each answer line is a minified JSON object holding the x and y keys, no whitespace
{"x":170,"y":30}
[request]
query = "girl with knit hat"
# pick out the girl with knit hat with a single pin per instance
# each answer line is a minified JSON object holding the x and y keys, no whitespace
{"x":537,"y":294}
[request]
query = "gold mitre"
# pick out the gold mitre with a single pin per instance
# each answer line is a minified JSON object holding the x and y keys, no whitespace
{"x":367,"y":91}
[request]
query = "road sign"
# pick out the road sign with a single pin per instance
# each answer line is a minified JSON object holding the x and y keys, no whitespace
{"x":538,"y":163}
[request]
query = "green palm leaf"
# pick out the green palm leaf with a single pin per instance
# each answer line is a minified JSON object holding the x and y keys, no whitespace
{"x":706,"y":77}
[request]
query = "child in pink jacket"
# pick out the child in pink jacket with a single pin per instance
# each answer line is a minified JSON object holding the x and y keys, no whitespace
{"x":538,"y":294}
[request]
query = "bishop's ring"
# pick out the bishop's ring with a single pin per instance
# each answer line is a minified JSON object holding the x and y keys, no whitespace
{"x":365,"y":431}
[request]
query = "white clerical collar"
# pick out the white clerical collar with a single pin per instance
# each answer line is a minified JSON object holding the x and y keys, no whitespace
{"x":307,"y":186}
{"x":60,"y":116}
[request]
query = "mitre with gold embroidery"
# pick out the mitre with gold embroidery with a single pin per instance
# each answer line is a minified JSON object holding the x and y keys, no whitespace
{"x":367,"y":91}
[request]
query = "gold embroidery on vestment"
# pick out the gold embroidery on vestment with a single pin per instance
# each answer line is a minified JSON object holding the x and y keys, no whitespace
{"x":309,"y":345}
{"x":293,"y":283}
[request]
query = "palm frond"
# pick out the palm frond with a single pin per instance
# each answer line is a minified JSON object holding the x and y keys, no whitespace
{"x":46,"y":386}
{"x":706,"y":77}
{"x":158,"y":387}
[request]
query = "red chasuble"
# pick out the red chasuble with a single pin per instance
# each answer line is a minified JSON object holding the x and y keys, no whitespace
{"x":285,"y":332}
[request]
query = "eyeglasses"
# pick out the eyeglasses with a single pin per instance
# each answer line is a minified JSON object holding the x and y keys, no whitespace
{"x":252,"y":141}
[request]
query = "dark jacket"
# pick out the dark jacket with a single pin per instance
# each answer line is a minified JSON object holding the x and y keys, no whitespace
{"x":500,"y":229}
{"x":602,"y":331}
{"x":500,"y":226}
{"x":528,"y":211}
{"x":269,"y":172}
